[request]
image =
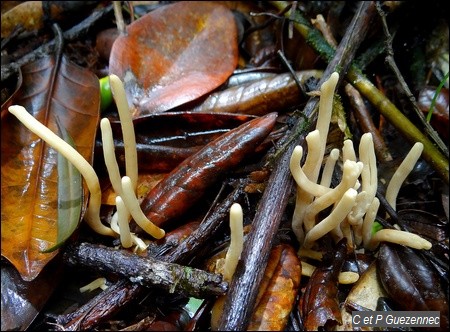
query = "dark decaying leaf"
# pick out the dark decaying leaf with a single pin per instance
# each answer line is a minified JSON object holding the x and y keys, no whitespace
{"x":411,"y":282}
{"x":423,"y":223}
{"x":29,"y":167}
{"x":175,"y":54}
{"x":319,"y":305}
{"x":164,"y":140}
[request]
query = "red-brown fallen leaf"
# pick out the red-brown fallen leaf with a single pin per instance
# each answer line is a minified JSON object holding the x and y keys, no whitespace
{"x":270,"y":94}
{"x":29,"y":187}
{"x":187,"y":183}
{"x":278,"y":290}
{"x":175,"y":54}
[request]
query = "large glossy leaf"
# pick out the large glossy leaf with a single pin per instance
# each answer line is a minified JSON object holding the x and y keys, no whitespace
{"x":29,"y":188}
{"x":175,"y":54}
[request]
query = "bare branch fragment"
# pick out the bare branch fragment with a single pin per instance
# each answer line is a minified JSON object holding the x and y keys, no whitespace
{"x":147,"y":271}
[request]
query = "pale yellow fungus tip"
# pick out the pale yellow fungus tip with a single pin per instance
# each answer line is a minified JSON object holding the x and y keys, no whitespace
{"x":123,"y":221}
{"x":402,"y":173}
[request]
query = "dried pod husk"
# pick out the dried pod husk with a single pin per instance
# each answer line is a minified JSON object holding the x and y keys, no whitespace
{"x":319,"y":306}
{"x":278,"y":290}
{"x":411,"y":282}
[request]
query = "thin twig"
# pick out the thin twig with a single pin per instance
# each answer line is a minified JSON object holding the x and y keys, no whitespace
{"x":190,"y":246}
{"x":291,"y":70}
{"x":147,"y":271}
{"x":119,"y":17}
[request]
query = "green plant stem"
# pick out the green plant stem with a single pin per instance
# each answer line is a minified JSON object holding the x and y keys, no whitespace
{"x":430,"y":153}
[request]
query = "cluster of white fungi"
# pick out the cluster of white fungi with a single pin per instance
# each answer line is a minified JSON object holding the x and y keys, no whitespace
{"x":353,"y":201}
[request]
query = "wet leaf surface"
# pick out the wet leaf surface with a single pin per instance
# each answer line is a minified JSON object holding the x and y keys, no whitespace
{"x":23,"y":300}
{"x":164,"y":140}
{"x":185,"y":52}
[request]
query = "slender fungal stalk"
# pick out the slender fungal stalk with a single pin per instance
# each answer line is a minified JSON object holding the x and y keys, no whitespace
{"x":126,"y":122}
{"x":92,"y":215}
{"x":236,"y":242}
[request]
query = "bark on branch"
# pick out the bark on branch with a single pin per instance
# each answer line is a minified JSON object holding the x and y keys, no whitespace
{"x":147,"y":271}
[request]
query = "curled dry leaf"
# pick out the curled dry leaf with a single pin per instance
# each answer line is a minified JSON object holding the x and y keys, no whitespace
{"x":175,"y":54}
{"x":278,"y":290}
{"x":319,"y":305}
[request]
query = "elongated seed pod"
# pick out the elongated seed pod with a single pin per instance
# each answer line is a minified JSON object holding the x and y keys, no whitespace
{"x":182,"y":187}
{"x":275,"y":93}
